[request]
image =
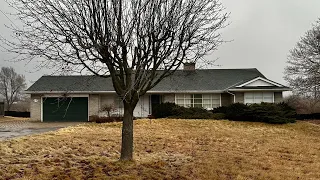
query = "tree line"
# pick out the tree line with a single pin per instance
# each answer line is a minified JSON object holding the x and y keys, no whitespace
{"x":12,"y":86}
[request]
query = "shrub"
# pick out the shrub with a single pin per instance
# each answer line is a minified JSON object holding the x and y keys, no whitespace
{"x":192,"y":113}
{"x":109,"y":108}
{"x":273,"y":113}
{"x":236,"y":111}
{"x":218,"y":116}
{"x":103,"y":119}
{"x":165,"y":110}
{"x":174,"y":111}
{"x":265,"y":112}
{"x":93,"y":118}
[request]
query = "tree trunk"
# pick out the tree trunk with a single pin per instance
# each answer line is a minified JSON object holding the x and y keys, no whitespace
{"x":8,"y":107}
{"x":127,"y":133}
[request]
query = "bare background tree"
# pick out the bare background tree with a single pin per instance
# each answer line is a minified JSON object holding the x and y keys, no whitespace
{"x":303,"y":70}
{"x":136,"y":43}
{"x":302,"y":104}
{"x":11,"y":86}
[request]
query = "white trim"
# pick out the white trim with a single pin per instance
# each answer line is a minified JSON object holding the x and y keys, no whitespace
{"x":41,"y":109}
{"x":220,"y":100}
{"x":234,"y":96}
{"x":273,"y":90}
{"x":89,"y":106}
{"x":112,"y":92}
{"x":99,"y":106}
{"x":68,"y":95}
{"x":150,"y":105}
{"x":188,"y":92}
{"x":272,"y":97}
{"x":69,"y":92}
{"x":262,"y":79}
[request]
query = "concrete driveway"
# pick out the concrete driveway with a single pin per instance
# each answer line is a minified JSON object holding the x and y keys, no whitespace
{"x":11,"y":129}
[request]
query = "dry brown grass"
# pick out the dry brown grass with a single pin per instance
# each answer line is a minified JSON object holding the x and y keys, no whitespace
{"x":168,"y":149}
{"x":10,"y":118}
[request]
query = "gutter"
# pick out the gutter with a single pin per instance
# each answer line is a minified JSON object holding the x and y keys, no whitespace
{"x":234,"y":96}
{"x":275,"y":89}
{"x":108,"y":92}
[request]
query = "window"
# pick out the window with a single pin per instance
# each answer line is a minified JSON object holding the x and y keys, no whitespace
{"x":207,"y":101}
{"x":196,"y":100}
{"x":258,"y":97}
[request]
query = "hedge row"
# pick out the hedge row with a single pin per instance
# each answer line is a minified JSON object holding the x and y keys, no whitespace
{"x":265,"y":112}
{"x":17,"y":114}
{"x":171,"y":110}
{"x":103,"y":119}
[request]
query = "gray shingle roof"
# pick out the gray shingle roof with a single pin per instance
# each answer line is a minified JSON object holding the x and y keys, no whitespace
{"x":72,"y":83}
{"x":198,"y":80}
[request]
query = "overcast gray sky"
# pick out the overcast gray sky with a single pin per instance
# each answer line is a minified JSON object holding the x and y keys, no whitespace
{"x":263,"y":32}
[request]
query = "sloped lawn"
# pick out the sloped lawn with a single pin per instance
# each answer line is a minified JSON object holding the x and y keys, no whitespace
{"x":168,"y":149}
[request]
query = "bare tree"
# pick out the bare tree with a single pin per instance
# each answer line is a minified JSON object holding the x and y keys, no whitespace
{"x":303,"y":70}
{"x":136,"y":43}
{"x":11,"y":86}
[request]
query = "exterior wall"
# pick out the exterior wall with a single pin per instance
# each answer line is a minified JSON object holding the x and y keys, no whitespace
{"x":94,"y":104}
{"x":168,"y":98}
{"x":239,"y":97}
{"x":142,"y":109}
{"x":96,"y":101}
{"x":278,"y":97}
{"x":35,"y":107}
{"x":226,"y":99}
{"x":113,"y":100}
{"x":107,"y":99}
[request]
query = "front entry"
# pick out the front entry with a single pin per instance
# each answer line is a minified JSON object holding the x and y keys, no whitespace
{"x":155,"y":100}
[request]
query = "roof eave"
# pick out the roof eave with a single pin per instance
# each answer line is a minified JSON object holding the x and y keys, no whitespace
{"x":274,"y":89}
{"x":107,"y":92}
{"x":67,"y":92}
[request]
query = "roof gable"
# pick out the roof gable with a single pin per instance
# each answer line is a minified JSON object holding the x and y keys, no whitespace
{"x":258,"y":82}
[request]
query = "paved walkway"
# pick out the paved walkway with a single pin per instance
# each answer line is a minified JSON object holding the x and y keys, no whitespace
{"x":11,"y":129}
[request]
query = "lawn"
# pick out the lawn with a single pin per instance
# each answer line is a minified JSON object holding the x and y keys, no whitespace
{"x":168,"y":149}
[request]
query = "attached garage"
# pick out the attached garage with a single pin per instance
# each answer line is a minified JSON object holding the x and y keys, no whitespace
{"x":68,"y":109}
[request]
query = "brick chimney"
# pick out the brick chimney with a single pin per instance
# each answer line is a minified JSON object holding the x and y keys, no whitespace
{"x":189,"y":66}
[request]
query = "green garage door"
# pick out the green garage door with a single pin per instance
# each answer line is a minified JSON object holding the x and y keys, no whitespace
{"x":65,"y":109}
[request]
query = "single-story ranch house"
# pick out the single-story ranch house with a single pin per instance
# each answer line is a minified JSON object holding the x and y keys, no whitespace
{"x":75,"y":98}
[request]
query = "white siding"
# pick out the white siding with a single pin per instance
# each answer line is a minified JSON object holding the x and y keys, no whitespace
{"x":142,"y":108}
{"x":259,"y":82}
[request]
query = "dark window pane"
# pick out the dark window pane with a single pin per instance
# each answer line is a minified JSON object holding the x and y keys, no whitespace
{"x":197,"y":96}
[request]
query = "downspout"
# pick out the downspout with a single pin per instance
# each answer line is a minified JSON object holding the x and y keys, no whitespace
{"x":234,"y":96}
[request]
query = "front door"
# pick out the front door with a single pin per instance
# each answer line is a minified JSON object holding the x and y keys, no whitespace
{"x":155,"y":100}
